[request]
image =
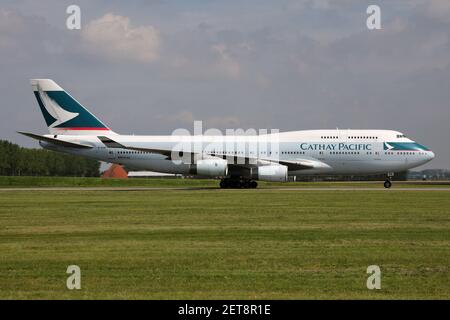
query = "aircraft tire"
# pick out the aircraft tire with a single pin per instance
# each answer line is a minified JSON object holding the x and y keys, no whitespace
{"x":223,"y":184}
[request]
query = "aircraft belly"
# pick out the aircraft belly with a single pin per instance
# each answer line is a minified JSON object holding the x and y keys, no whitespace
{"x":157,"y":165}
{"x":360,"y":167}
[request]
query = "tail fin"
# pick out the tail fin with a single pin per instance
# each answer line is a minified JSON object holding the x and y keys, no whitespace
{"x":62,"y":113}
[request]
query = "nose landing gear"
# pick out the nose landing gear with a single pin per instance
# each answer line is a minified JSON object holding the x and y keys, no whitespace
{"x":228,"y":183}
{"x":388,"y":183}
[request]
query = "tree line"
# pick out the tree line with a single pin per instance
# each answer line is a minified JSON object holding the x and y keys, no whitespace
{"x":19,"y":161}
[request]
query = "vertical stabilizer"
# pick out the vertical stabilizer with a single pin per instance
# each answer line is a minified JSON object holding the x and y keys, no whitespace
{"x":62,"y":113}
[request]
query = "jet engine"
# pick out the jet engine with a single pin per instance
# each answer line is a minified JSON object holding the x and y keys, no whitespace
{"x":274,"y":172}
{"x":210,"y":167}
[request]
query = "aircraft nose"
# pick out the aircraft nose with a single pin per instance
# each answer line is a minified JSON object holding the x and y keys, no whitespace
{"x":431,"y":154}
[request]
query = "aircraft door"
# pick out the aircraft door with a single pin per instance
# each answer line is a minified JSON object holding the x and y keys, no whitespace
{"x":111,"y":154}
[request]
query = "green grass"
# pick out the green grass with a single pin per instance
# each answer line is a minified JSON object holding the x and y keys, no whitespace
{"x":21,"y":182}
{"x":237,"y":244}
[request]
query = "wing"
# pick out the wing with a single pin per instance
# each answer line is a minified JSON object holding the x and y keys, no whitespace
{"x":55,"y":141}
{"x":304,"y":164}
{"x":110,"y":143}
{"x":293,"y":165}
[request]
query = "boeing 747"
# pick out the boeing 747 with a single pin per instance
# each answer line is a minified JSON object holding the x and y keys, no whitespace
{"x":238,"y":161}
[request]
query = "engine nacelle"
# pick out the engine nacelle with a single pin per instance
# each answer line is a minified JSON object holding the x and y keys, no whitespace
{"x":274,"y":172}
{"x":210,"y":167}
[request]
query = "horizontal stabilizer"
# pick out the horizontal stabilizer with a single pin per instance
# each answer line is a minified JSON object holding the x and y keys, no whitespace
{"x":56,"y":141}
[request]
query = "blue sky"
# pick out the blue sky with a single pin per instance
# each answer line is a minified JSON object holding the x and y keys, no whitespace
{"x":149,"y":67}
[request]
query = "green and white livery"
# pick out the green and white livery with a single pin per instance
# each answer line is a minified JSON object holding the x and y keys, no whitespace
{"x":237,"y":160}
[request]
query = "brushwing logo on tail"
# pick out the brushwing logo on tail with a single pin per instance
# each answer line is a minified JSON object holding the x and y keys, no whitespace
{"x":387,"y":146}
{"x":55,"y":110}
{"x":62,"y":113}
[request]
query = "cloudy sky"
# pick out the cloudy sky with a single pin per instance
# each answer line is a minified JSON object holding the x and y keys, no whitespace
{"x":149,"y":67}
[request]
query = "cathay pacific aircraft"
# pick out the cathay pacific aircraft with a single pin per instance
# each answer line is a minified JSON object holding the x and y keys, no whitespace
{"x":237,"y":160}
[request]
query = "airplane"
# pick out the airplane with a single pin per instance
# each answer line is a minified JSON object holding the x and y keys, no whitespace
{"x":239,"y":161}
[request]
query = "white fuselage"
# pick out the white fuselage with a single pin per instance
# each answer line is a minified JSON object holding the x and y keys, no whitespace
{"x":341,"y":151}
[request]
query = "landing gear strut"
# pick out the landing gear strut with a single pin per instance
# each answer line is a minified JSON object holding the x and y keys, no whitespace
{"x":388,"y":183}
{"x":228,"y":183}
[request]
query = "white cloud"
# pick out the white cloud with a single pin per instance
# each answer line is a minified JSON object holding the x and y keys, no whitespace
{"x":113,"y":37}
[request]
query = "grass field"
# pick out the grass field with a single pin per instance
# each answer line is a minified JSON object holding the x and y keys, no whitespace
{"x":64,"y":182}
{"x":237,"y":244}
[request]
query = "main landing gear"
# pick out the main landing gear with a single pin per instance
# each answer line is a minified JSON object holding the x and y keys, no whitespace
{"x":228,"y":183}
{"x":388,"y":183}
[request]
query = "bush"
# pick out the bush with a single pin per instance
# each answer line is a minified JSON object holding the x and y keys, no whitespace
{"x":19,"y":161}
